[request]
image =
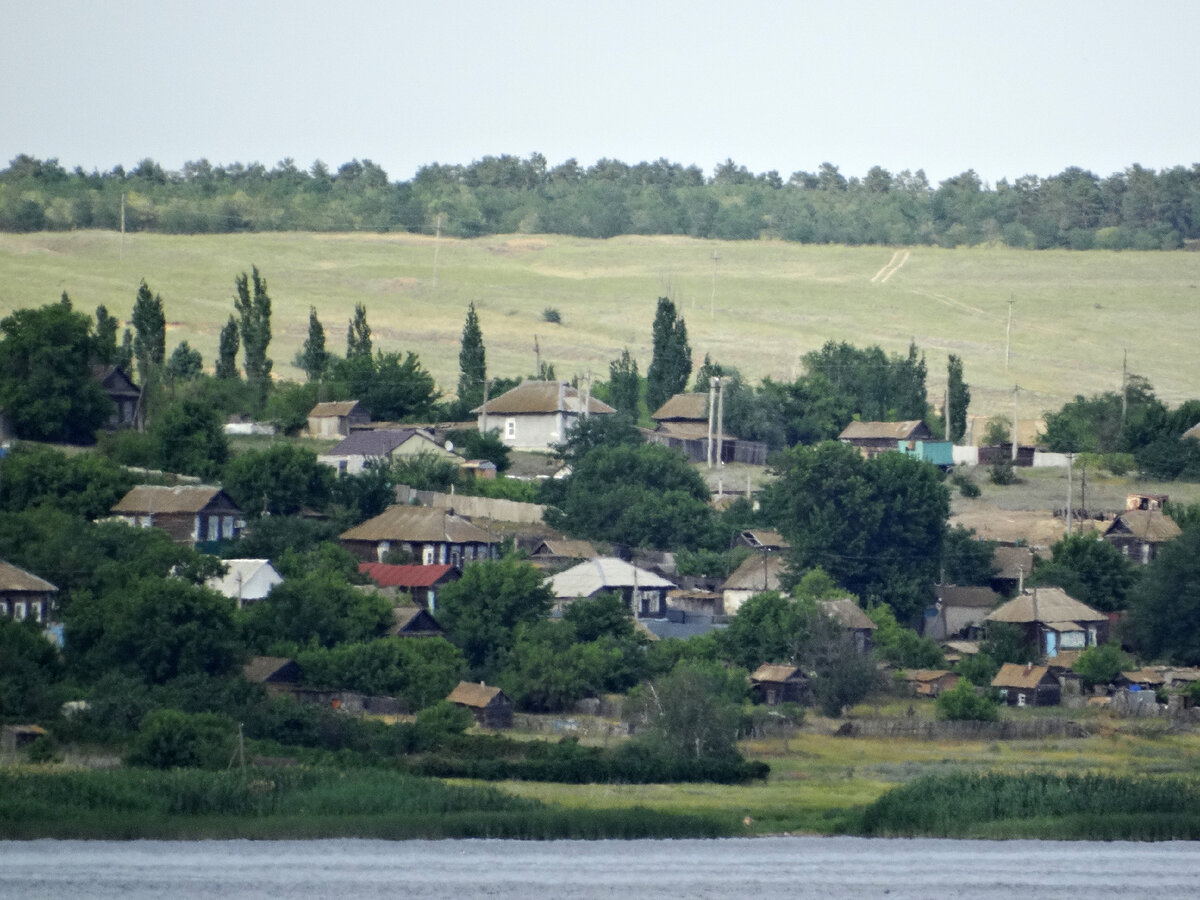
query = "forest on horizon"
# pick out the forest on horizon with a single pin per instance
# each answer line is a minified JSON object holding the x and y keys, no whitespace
{"x":1138,"y":209}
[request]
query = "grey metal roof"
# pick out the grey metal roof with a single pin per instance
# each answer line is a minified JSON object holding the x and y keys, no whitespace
{"x":600,"y":574}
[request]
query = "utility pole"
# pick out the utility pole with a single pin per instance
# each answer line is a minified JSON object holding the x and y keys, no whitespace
{"x":587,"y":393}
{"x":1124,"y":386}
{"x":720,"y":420}
{"x":437,"y":243}
{"x":1008,"y":333}
{"x":537,"y":360}
{"x":1070,"y":499}
{"x":946,"y":410}
{"x":712,"y":300}
{"x":1016,"y":421}
{"x":712,"y":412}
{"x":122,"y":226}
{"x":486,"y":383}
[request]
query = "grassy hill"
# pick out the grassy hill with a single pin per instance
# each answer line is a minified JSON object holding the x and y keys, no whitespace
{"x":1074,"y":313}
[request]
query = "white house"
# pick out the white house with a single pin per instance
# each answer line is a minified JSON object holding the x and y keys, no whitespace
{"x":536,"y":415}
{"x":384,"y":445}
{"x":644,"y":593}
{"x":246,"y":580}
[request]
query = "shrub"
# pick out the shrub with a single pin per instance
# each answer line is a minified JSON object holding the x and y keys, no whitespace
{"x":964,"y":703}
{"x":1002,"y":473}
{"x":966,"y":487}
{"x":170,"y":739}
{"x":552,"y":315}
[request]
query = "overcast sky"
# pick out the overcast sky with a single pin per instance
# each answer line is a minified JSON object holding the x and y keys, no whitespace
{"x":1007,"y":89}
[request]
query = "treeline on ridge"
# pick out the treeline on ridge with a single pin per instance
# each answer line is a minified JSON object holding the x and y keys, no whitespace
{"x":1138,"y":208}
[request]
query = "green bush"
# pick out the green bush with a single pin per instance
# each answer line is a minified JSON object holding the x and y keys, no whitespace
{"x":964,"y":702}
{"x":1002,"y":473}
{"x":170,"y":739}
{"x":966,"y":487}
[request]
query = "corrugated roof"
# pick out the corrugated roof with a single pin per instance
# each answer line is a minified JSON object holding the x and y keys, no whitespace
{"x":692,"y":406}
{"x":1018,"y":675}
{"x":1149,"y":525}
{"x":1009,"y":562}
{"x":899,"y":431}
{"x":14,"y":578}
{"x":600,"y":574}
{"x":419,"y":524}
{"x":756,"y":573}
{"x":541,"y":397}
{"x":847,"y":612}
{"x":566,"y":549}
{"x":387,"y":575}
{"x":1053,"y":605}
{"x":774,"y":672}
{"x":475,"y":695}
{"x":153,"y":498}
{"x":975,"y":597}
{"x":380,"y":442}
{"x":333,"y":408}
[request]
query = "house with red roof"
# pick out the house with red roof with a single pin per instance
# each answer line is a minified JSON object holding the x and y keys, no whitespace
{"x":421,"y":582}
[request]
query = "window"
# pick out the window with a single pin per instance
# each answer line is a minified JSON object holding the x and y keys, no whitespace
{"x":19,"y":610}
{"x":510,"y":428}
{"x":427,"y":555}
{"x":1020,"y":699}
{"x":227,"y":527}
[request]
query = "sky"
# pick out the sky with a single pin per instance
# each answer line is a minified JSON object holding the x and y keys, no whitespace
{"x":1007,"y":89}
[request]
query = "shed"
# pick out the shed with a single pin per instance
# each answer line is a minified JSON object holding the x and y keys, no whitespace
{"x":336,"y":418}
{"x":758,"y":573}
{"x":1010,"y":567}
{"x":1138,"y":533}
{"x":929,"y":682}
{"x":958,"y":611}
{"x":847,"y":613}
{"x":17,"y":737}
{"x":1027,"y":685}
{"x":414,"y":621}
{"x":277,"y":673}
{"x":491,"y":706}
{"x":773,"y":684}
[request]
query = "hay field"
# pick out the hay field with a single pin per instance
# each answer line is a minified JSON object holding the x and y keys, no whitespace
{"x":1074,"y":313}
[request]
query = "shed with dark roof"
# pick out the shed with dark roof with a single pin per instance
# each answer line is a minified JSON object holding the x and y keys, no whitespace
{"x":491,"y":706}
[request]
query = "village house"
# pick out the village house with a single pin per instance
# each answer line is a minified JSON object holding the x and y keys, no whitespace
{"x":414,"y":622}
{"x":763,"y":540}
{"x":490,"y":706}
{"x":536,"y":415}
{"x":756,"y":574}
{"x":1010,"y":567}
{"x":958,"y":612}
{"x":929,"y":682}
{"x":873,"y":438}
{"x":122,"y":392}
{"x":1138,"y":533}
{"x":190,"y":514}
{"x":644,"y":593}
{"x":1053,"y":621}
{"x":683,"y":424}
{"x":425,"y":536}
{"x":851,"y":617}
{"x":774,"y":684}
{"x":381,"y":446}
{"x":336,"y":418}
{"x":245,"y":580}
{"x":278,"y":674}
{"x":420,"y":582}
{"x":552,"y":553}
{"x":25,"y":596}
{"x":1027,"y":685}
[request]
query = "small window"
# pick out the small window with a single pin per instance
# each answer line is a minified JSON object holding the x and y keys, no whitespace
{"x":19,"y":610}
{"x":1020,"y":699}
{"x":427,"y":555}
{"x":510,"y":428}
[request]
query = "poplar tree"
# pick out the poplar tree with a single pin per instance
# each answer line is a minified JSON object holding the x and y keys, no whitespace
{"x":472,"y":362}
{"x":106,"y":337}
{"x":960,"y":398}
{"x":672,"y":362}
{"x":227,"y":350}
{"x":253,"y":306}
{"x":358,"y":334}
{"x":150,"y":333}
{"x":624,"y":385}
{"x":314,"y":359}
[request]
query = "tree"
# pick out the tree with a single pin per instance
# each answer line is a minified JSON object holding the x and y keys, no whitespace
{"x":1164,"y":610}
{"x":959,"y":394}
{"x":106,"y":350}
{"x":671,"y":364}
{"x":1092,"y":571}
{"x":967,"y":560}
{"x":472,"y":363}
{"x":694,"y":710}
{"x":282,"y":480}
{"x":1100,"y":665}
{"x":316,"y":609}
{"x":47,"y":390}
{"x":150,"y":333}
{"x":31,"y":667}
{"x":418,"y":672}
{"x":964,"y":702}
{"x":481,"y":610}
{"x":314,"y":359}
{"x":998,"y":431}
{"x":877,"y":526}
{"x":624,"y":385}
{"x":227,"y":351}
{"x":125,"y":353}
{"x":188,"y":437}
{"x":170,"y":739}
{"x":185,"y":364}
{"x":358,"y":334}
{"x":900,"y":646}
{"x":254,"y":327}
{"x":83,"y":484}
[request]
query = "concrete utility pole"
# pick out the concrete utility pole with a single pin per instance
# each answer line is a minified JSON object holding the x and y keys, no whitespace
{"x":437,"y":243}
{"x":486,"y":384}
{"x":720,"y":420}
{"x":1016,"y":421}
{"x":712,"y":300}
{"x":1008,"y":332}
{"x":712,"y":412}
{"x":946,"y":410}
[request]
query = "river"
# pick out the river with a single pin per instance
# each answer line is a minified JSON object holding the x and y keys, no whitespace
{"x":464,"y":870}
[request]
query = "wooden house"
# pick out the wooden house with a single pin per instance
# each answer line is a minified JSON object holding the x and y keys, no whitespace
{"x":419,"y":582}
{"x":682,"y":423}
{"x":873,"y":438}
{"x":381,"y":446}
{"x":278,"y":674}
{"x":536,"y":415}
{"x":774,"y":684}
{"x":1010,"y":567}
{"x":1027,"y":685}
{"x":850,"y":616}
{"x":958,"y":612}
{"x":929,"y":682}
{"x":553,"y":552}
{"x":336,"y":418}
{"x":190,"y":514}
{"x":491,"y":706}
{"x":122,"y":392}
{"x":428,"y":536}
{"x":25,"y":596}
{"x":1053,"y":621}
{"x":1138,"y":533}
{"x":644,"y":592}
{"x":414,"y":621}
{"x":758,"y":573}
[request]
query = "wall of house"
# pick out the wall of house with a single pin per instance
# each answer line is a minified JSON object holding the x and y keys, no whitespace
{"x":529,"y":431}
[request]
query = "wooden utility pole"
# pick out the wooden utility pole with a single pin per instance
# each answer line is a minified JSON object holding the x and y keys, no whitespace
{"x":537,"y":360}
{"x":1008,"y":333}
{"x":720,"y":420}
{"x":486,"y":384}
{"x":712,"y":412}
{"x":1124,"y":386}
{"x":1070,"y":498}
{"x":437,"y":243}
{"x":122,"y":227}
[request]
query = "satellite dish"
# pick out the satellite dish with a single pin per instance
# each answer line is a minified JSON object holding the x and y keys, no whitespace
{"x":449,"y":445}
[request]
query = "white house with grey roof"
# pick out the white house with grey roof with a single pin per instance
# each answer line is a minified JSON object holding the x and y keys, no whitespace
{"x":536,"y":415}
{"x":644,"y":592}
{"x":382,"y":445}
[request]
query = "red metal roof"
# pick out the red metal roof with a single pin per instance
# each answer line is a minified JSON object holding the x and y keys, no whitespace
{"x":386,"y":575}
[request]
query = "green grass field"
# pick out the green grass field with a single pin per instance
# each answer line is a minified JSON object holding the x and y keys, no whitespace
{"x":1074,"y":313}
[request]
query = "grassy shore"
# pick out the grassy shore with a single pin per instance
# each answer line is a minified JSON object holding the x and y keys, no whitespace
{"x":1074,"y":313}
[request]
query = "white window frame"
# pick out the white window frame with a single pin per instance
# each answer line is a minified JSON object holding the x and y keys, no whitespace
{"x":510,"y":429}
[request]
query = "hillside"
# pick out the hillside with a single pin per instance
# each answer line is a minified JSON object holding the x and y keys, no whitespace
{"x":1074,"y":312}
